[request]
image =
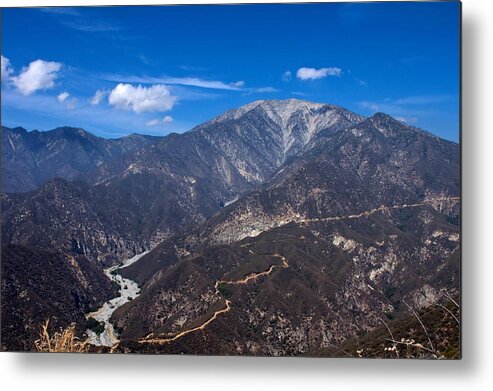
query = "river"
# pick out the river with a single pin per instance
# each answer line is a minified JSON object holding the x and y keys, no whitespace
{"x":129,"y":290}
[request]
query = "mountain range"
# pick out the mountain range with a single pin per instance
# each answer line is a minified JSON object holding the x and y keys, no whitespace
{"x":29,"y":159}
{"x":278,"y":228}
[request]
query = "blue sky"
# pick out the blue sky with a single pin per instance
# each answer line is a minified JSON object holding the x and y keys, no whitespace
{"x":155,"y":70}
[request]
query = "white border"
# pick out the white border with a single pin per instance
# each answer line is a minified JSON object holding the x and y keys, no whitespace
{"x":474,"y":372}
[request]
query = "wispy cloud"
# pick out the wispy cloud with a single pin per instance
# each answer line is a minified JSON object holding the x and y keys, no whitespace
{"x":82,"y":20}
{"x":424,"y":99}
{"x":409,"y":109}
{"x":71,"y":104}
{"x":91,"y":26}
{"x":286,"y":76}
{"x":146,"y":60}
{"x":399,"y":112}
{"x":183,"y":81}
{"x":210,"y":84}
{"x":196,"y":94}
{"x":160,"y":121}
{"x":68,"y":101}
{"x":259,"y":90}
{"x":191,"y":68}
{"x":409,"y":101}
{"x":265,"y":89}
{"x":239,"y":84}
{"x":153,"y":122}
{"x":362,"y":83}
{"x":60,"y":10}
{"x":373,"y":106}
{"x":98,"y":97}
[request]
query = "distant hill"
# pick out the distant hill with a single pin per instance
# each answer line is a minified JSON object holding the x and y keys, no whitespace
{"x":29,"y":159}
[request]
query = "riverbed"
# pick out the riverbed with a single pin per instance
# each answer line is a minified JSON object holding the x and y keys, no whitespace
{"x":129,"y":290}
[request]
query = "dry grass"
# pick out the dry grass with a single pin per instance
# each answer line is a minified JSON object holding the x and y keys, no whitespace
{"x":60,"y":341}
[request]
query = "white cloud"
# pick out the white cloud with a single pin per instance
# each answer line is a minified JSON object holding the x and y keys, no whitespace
{"x":154,"y":122}
{"x":286,"y":76}
{"x":63,"y":96}
{"x":98,"y":97}
{"x":313,"y":74}
{"x":6,"y":69}
{"x":142,"y":99}
{"x":38,"y":75}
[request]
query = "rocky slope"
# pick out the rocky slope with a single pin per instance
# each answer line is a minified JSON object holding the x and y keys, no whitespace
{"x":333,"y":289}
{"x":242,"y":146}
{"x":40,"y":285}
{"x":379,"y":161}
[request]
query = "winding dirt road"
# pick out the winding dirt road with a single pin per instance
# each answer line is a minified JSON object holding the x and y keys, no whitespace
{"x":379,"y":209}
{"x":153,"y":339}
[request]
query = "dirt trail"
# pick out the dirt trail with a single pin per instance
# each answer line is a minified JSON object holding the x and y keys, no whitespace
{"x":254,"y":276}
{"x":153,"y":339}
{"x":300,"y":221}
{"x":379,"y":209}
{"x":162,"y":340}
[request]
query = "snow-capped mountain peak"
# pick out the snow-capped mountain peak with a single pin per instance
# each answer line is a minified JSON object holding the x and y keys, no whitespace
{"x":288,"y":125}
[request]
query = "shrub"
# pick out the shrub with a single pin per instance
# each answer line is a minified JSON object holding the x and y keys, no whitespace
{"x":60,"y":341}
{"x":224,"y":290}
{"x":94,"y":325}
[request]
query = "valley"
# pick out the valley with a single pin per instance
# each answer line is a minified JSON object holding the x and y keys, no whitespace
{"x":128,"y":290}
